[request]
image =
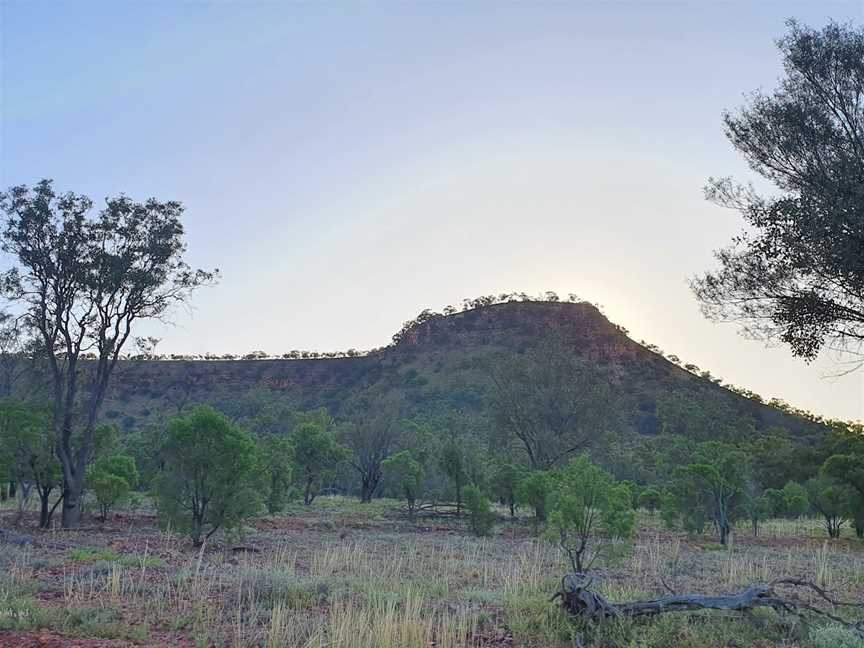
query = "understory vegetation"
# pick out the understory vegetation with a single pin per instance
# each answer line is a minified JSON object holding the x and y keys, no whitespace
{"x":338,"y":573}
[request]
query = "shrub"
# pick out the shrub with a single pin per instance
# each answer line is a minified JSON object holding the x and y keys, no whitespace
{"x":533,"y":490}
{"x":650,"y":499}
{"x":208,"y":481}
{"x":480,"y":514}
{"x":795,"y":500}
{"x":111,"y":479}
{"x":586,"y":503}
{"x":832,"y":636}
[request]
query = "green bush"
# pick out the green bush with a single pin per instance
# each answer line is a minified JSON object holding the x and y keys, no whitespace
{"x":111,"y":478}
{"x":480,"y":514}
{"x":588,"y":508}
{"x":210,"y":477}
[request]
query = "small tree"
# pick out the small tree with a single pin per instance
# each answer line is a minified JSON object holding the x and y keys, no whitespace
{"x":481,"y":517}
{"x":714,"y":482}
{"x":831,"y":501}
{"x":451,"y":460}
{"x":316,"y":455}
{"x":586,"y":503}
{"x":847,"y":468}
{"x":549,"y":404}
{"x":650,"y":499}
{"x":776,"y":502}
{"x":533,"y":490}
{"x":27,"y":443}
{"x":371,"y":435}
{"x":111,"y":479}
{"x":402,"y":469}
{"x":277,"y":462}
{"x":795,"y":500}
{"x":505,"y":481}
{"x":756,"y":504}
{"x":208,"y":482}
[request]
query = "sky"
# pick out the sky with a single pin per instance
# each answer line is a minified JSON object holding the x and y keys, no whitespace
{"x":346,"y":165}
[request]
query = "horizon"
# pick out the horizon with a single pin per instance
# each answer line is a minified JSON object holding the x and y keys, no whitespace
{"x":347,"y":168}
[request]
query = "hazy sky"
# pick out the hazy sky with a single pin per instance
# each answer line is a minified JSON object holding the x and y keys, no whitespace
{"x":348,"y":164}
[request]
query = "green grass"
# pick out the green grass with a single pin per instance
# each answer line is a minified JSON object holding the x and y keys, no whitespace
{"x":91,"y":555}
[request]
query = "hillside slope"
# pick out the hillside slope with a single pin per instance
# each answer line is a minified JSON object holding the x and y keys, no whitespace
{"x":439,"y":365}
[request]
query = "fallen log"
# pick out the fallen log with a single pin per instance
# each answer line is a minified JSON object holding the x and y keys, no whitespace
{"x":579,"y":599}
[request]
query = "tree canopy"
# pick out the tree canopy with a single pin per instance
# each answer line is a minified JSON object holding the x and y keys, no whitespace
{"x":796,"y":274}
{"x":81,"y":281}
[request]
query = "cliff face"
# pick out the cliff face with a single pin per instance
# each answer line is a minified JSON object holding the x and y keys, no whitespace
{"x":437,"y":365}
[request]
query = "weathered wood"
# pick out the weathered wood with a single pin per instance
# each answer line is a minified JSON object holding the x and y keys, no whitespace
{"x":578,"y":599}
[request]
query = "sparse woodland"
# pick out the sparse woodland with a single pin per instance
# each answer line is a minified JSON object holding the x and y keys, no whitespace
{"x":551,"y":495}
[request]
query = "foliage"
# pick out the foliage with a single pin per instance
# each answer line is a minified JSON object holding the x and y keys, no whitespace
{"x":712,"y":485}
{"x":650,"y":499}
{"x":316,"y":455}
{"x":795,"y":500}
{"x":208,"y":482}
{"x":777,"y":459}
{"x":453,"y":463}
{"x":82,"y":282}
{"x":533,"y":490}
{"x":277,"y":463}
{"x":403,"y":469}
{"x":701,"y":417}
{"x":587,"y":502}
{"x":27,"y":453}
{"x":796,"y":274}
{"x":111,"y":478}
{"x":144,"y":446}
{"x":505,"y":482}
{"x":848,"y":469}
{"x":549,"y":404}
{"x":481,"y":517}
{"x":756,"y":504}
{"x":372,"y":435}
{"x":831,"y":501}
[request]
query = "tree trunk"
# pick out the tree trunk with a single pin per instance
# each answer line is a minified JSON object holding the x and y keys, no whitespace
{"x":540,"y":512}
{"x":44,"y":509}
{"x":50,"y":513}
{"x":23,"y":498}
{"x":578,"y":599}
{"x":724,"y":532}
{"x":71,"y":505}
{"x":368,"y":485}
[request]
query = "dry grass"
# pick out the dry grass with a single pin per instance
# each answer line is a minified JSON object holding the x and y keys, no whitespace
{"x":342,"y":577}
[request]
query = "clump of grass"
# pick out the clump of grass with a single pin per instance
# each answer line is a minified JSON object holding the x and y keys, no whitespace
{"x":833,"y":636}
{"x":85,"y":555}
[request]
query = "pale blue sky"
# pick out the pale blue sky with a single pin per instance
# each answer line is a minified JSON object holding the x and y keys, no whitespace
{"x":348,"y":164}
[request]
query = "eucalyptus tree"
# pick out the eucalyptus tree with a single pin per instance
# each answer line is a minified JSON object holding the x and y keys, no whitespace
{"x":82,"y":281}
{"x":796,"y":274}
{"x":548,"y":404}
{"x":372,"y":433}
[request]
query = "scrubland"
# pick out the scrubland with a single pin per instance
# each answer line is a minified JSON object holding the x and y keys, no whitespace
{"x":341,"y":574}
